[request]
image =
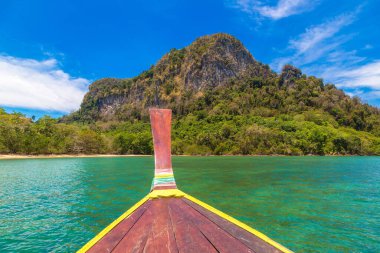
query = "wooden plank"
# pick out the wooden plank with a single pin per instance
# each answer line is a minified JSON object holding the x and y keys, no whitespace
{"x":252,"y":241}
{"x":162,"y":238}
{"x":220,"y":239}
{"x":135,"y":240}
{"x":160,"y":120}
{"x":110,"y":240}
{"x":188,"y":237}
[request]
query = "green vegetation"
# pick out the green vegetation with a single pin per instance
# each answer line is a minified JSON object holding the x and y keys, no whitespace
{"x":196,"y":133}
{"x":223,"y":102}
{"x":20,"y":135}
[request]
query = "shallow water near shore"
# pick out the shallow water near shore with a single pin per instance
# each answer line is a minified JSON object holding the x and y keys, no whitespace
{"x":308,"y":204}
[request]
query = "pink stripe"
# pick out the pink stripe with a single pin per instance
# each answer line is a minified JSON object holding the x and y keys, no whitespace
{"x":163,"y":171}
{"x":167,"y":184}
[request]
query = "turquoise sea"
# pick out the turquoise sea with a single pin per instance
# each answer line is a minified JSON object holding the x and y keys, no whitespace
{"x":308,"y":204}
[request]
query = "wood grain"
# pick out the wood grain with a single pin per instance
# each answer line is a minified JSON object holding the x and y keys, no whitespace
{"x":252,"y":241}
{"x":110,"y":240}
{"x":178,"y":225}
{"x":188,"y":237}
{"x":135,"y":240}
{"x":219,"y":238}
{"x":161,"y":238}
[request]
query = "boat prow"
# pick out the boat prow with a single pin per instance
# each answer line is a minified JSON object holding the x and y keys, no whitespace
{"x":169,"y":220}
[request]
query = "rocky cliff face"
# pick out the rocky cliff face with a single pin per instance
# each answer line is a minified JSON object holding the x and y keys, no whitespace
{"x":208,"y":63}
{"x":216,"y":75}
{"x":212,"y":60}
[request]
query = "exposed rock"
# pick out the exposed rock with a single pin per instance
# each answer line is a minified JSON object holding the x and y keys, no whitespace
{"x":208,"y":63}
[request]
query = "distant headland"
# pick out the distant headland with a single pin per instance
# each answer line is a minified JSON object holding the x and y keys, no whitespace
{"x":224,"y":102}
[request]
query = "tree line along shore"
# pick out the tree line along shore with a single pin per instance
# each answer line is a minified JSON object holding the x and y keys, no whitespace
{"x":308,"y":133}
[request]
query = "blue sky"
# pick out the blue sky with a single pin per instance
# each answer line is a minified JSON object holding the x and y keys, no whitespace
{"x":50,"y":51}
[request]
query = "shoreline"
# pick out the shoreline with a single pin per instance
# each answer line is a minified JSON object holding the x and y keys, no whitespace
{"x":16,"y":156}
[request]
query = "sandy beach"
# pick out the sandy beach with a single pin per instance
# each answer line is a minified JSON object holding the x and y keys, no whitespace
{"x":10,"y":156}
{"x":13,"y":156}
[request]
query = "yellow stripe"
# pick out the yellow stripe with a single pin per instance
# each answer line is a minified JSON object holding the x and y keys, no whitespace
{"x":239,"y":224}
{"x":175,"y":193}
{"x":169,"y":193}
{"x":163,"y":175}
{"x":99,"y":236}
{"x":153,"y":195}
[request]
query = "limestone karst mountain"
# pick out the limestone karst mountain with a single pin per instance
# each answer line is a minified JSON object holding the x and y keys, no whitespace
{"x":217,"y":80}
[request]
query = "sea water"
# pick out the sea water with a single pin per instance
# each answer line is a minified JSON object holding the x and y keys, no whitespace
{"x":308,"y":204}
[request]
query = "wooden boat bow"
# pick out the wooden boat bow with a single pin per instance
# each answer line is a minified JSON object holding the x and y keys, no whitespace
{"x":161,"y":127}
{"x":169,"y":220}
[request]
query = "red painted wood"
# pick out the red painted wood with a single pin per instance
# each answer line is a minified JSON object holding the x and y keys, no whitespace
{"x":221,"y":240}
{"x":178,"y":225}
{"x":161,"y":238}
{"x":252,"y":241}
{"x":110,"y":240}
{"x":188,"y":237}
{"x":135,"y":240}
{"x":161,"y":127}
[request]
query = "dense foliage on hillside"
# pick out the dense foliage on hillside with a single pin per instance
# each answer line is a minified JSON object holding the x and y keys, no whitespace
{"x":311,"y":132}
{"x":223,"y":101}
{"x":20,"y":135}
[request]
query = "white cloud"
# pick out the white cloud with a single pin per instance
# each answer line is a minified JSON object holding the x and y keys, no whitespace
{"x":283,"y":9}
{"x":366,"y":75}
{"x":29,"y":83}
{"x":316,"y":42}
{"x":316,"y":35}
{"x":320,"y":51}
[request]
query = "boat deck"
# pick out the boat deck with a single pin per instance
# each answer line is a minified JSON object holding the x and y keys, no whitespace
{"x":178,"y":225}
{"x":169,"y":220}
